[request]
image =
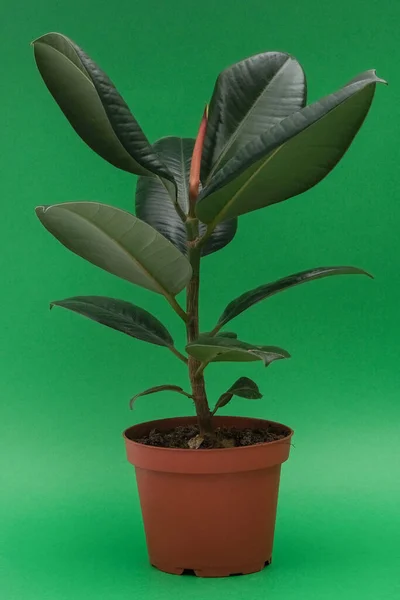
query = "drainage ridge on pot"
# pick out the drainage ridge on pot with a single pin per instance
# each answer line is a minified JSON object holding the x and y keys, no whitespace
{"x":209,"y":511}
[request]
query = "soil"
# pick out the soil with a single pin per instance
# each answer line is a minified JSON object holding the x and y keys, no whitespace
{"x":188,"y":437}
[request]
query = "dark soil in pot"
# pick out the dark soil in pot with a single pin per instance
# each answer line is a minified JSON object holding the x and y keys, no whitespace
{"x":225,"y":437}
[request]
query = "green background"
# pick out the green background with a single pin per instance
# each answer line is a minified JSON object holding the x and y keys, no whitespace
{"x":70,"y":520}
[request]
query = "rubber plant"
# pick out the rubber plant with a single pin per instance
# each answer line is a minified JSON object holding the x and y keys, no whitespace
{"x":258,"y":144}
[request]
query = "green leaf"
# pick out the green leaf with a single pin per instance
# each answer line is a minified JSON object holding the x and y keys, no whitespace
{"x":223,"y":400}
{"x":94,"y":107}
{"x":211,"y":349}
{"x":225,"y":334}
{"x":119,"y":243}
{"x":155,"y":203}
{"x":250,"y":298}
{"x":249,"y":98}
{"x":121,"y":316}
{"x":159,"y":388}
{"x":290,"y":157}
{"x":243,"y":387}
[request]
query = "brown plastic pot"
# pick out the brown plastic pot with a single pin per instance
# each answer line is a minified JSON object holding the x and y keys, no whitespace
{"x":209,"y":511}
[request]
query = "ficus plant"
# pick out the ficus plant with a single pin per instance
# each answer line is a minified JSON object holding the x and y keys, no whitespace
{"x":258,"y":144}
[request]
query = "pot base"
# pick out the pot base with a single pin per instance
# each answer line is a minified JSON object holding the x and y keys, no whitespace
{"x":221,"y":572}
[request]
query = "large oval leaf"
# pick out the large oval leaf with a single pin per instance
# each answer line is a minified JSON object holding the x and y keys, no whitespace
{"x":121,"y":316}
{"x":94,"y":107}
{"x":290,"y":157}
{"x":155,"y":204}
{"x":119,"y":243}
{"x":211,"y":349}
{"x":250,"y":97}
{"x":262,"y":292}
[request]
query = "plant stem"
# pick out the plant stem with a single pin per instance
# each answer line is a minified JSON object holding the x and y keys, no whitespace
{"x":204,"y":417}
{"x":196,"y":376}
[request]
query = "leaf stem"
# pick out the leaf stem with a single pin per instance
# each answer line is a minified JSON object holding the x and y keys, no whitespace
{"x":177,"y":308}
{"x":182,"y":215}
{"x":208,"y":233}
{"x":215,"y":330}
{"x":178,"y":354}
{"x":201,"y":368}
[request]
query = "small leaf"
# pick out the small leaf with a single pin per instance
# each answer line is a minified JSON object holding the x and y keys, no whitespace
{"x":243,"y":387}
{"x":210,"y":349}
{"x":94,"y":107}
{"x":262,"y":292}
{"x":121,"y":316}
{"x":119,"y":243}
{"x":223,"y":401}
{"x":246,"y":388}
{"x":159,"y":388}
{"x":225,"y":334}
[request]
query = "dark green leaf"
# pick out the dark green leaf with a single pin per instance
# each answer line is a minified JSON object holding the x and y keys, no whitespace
{"x":120,"y":315}
{"x":227,"y":334}
{"x":119,"y":243}
{"x":250,"y":97}
{"x":243,"y":387}
{"x":155,"y":203}
{"x":94,"y":107}
{"x":247,"y":300}
{"x":222,"y":401}
{"x":211,"y":349}
{"x":290,"y":157}
{"x":159,"y":388}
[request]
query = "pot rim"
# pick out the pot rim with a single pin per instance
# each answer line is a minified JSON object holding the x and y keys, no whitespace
{"x":219,"y":451}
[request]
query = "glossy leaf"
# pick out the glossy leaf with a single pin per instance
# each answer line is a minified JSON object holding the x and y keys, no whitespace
{"x":94,"y":107}
{"x":121,"y":316}
{"x":290,"y":157}
{"x":243,"y":387}
{"x":211,"y":349}
{"x":119,"y":243}
{"x":159,"y":388}
{"x":250,"y":97}
{"x":155,"y":203}
{"x":262,"y":292}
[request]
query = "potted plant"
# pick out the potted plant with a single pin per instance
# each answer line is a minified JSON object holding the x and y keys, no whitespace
{"x":208,"y":484}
